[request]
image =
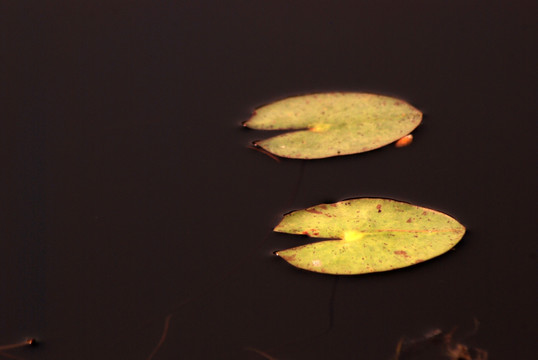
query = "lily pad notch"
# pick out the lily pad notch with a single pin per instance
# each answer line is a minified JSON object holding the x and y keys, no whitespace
{"x":368,"y":235}
{"x":333,"y":124}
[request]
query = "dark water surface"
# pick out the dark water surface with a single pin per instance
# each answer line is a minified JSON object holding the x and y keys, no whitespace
{"x":128,"y":188}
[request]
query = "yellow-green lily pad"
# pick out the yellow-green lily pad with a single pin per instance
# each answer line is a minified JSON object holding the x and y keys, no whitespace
{"x":369,"y":235}
{"x":332,"y":124}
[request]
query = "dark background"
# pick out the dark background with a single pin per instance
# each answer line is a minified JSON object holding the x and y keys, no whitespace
{"x":128,"y":191}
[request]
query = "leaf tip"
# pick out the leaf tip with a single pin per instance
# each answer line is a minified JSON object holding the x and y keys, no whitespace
{"x":289,"y":255}
{"x":279,"y":227}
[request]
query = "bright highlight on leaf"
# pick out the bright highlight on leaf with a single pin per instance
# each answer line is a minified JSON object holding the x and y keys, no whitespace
{"x":332,"y":124}
{"x":369,"y":235}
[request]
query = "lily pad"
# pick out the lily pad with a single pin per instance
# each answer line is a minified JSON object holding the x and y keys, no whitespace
{"x":332,"y":124}
{"x":369,"y":235}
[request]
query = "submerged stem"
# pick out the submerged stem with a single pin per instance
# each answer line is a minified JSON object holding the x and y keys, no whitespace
{"x":17,"y":345}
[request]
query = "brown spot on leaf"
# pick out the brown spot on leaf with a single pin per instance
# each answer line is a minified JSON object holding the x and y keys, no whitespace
{"x":378,"y":207}
{"x":324,"y":207}
{"x":409,"y":220}
{"x":314,"y":211}
{"x":401,"y":252}
{"x":424,"y":213}
{"x":418,"y":261}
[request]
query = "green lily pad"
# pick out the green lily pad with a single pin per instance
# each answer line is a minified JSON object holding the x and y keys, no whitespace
{"x":370,"y":235}
{"x":332,"y":124}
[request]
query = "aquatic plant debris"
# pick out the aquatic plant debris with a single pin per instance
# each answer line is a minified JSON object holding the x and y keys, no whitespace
{"x":333,"y":124}
{"x":436,"y":344}
{"x":368,"y":235}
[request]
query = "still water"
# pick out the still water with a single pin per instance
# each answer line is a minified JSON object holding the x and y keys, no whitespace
{"x":130,"y":194}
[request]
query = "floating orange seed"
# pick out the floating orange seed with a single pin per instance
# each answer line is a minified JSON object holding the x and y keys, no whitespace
{"x":406,"y":140}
